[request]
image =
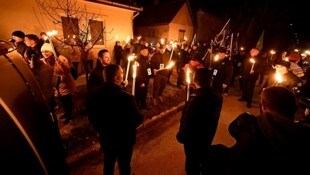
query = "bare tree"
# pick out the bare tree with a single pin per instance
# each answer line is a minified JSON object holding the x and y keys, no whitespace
{"x":80,"y":29}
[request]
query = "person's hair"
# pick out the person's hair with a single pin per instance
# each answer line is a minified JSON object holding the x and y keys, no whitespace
{"x":33,"y":37}
{"x":101,"y":52}
{"x":110,"y":71}
{"x":42,"y":33}
{"x":279,"y":100}
{"x":19,"y":34}
{"x":197,"y":57}
{"x":202,"y":77}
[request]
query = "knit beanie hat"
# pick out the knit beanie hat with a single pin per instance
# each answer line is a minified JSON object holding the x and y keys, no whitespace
{"x":47,"y":47}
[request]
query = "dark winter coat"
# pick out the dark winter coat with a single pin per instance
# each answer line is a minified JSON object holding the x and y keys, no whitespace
{"x":96,"y":76}
{"x":200,"y":118}
{"x":267,"y":144}
{"x":222,"y":74}
{"x":144,"y":71}
{"x":158,"y":60}
{"x":246,"y":68}
{"x":114,"y":114}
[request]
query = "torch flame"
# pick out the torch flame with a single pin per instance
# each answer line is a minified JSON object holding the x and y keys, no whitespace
{"x":170,"y":65}
{"x":278,"y":77}
{"x":286,"y":59}
{"x":188,"y":79}
{"x":131,"y":57}
{"x":52,"y":33}
{"x":216,"y":57}
{"x":252,"y":60}
{"x":134,"y":73}
{"x":174,"y":45}
{"x":127,"y":39}
{"x":162,"y":41}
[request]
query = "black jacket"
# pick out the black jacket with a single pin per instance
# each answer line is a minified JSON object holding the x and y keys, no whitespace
{"x":268,"y":143}
{"x":144,"y":71}
{"x":246,"y":68}
{"x":114,"y":114}
{"x":96,"y":76}
{"x":159,"y":59}
{"x":200,"y":118}
{"x":222,"y":74}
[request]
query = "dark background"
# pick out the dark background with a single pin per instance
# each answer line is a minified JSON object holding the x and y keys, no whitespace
{"x":284,"y":22}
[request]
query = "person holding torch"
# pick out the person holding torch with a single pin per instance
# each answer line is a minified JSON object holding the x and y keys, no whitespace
{"x":249,"y":72}
{"x":285,"y":78}
{"x":222,"y":71}
{"x":172,"y":51}
{"x":158,"y":63}
{"x":143,"y":74}
{"x":199,"y":122}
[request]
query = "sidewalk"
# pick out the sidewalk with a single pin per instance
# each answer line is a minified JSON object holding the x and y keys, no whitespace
{"x":81,"y":140}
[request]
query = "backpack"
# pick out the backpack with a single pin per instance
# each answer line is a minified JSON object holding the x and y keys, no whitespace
{"x":74,"y":73}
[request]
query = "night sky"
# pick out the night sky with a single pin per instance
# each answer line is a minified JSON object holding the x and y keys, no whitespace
{"x":284,"y":22}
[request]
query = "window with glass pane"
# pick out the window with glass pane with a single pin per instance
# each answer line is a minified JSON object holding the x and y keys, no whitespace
{"x":96,"y":32}
{"x":70,"y":28}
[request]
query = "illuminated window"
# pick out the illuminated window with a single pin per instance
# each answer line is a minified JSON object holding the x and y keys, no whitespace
{"x":96,"y":32}
{"x":70,"y":27}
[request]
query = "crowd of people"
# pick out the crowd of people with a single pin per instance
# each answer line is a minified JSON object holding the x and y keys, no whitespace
{"x":52,"y":71}
{"x":214,"y":71}
{"x":273,"y":136}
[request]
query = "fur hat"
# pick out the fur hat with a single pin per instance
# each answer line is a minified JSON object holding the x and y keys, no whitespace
{"x":47,"y":47}
{"x":19,"y":34}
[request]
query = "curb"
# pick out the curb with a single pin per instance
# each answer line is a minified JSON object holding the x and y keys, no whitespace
{"x":95,"y":148}
{"x":160,"y":116}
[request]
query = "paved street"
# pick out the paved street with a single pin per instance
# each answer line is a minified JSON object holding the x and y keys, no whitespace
{"x":158,"y":153}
